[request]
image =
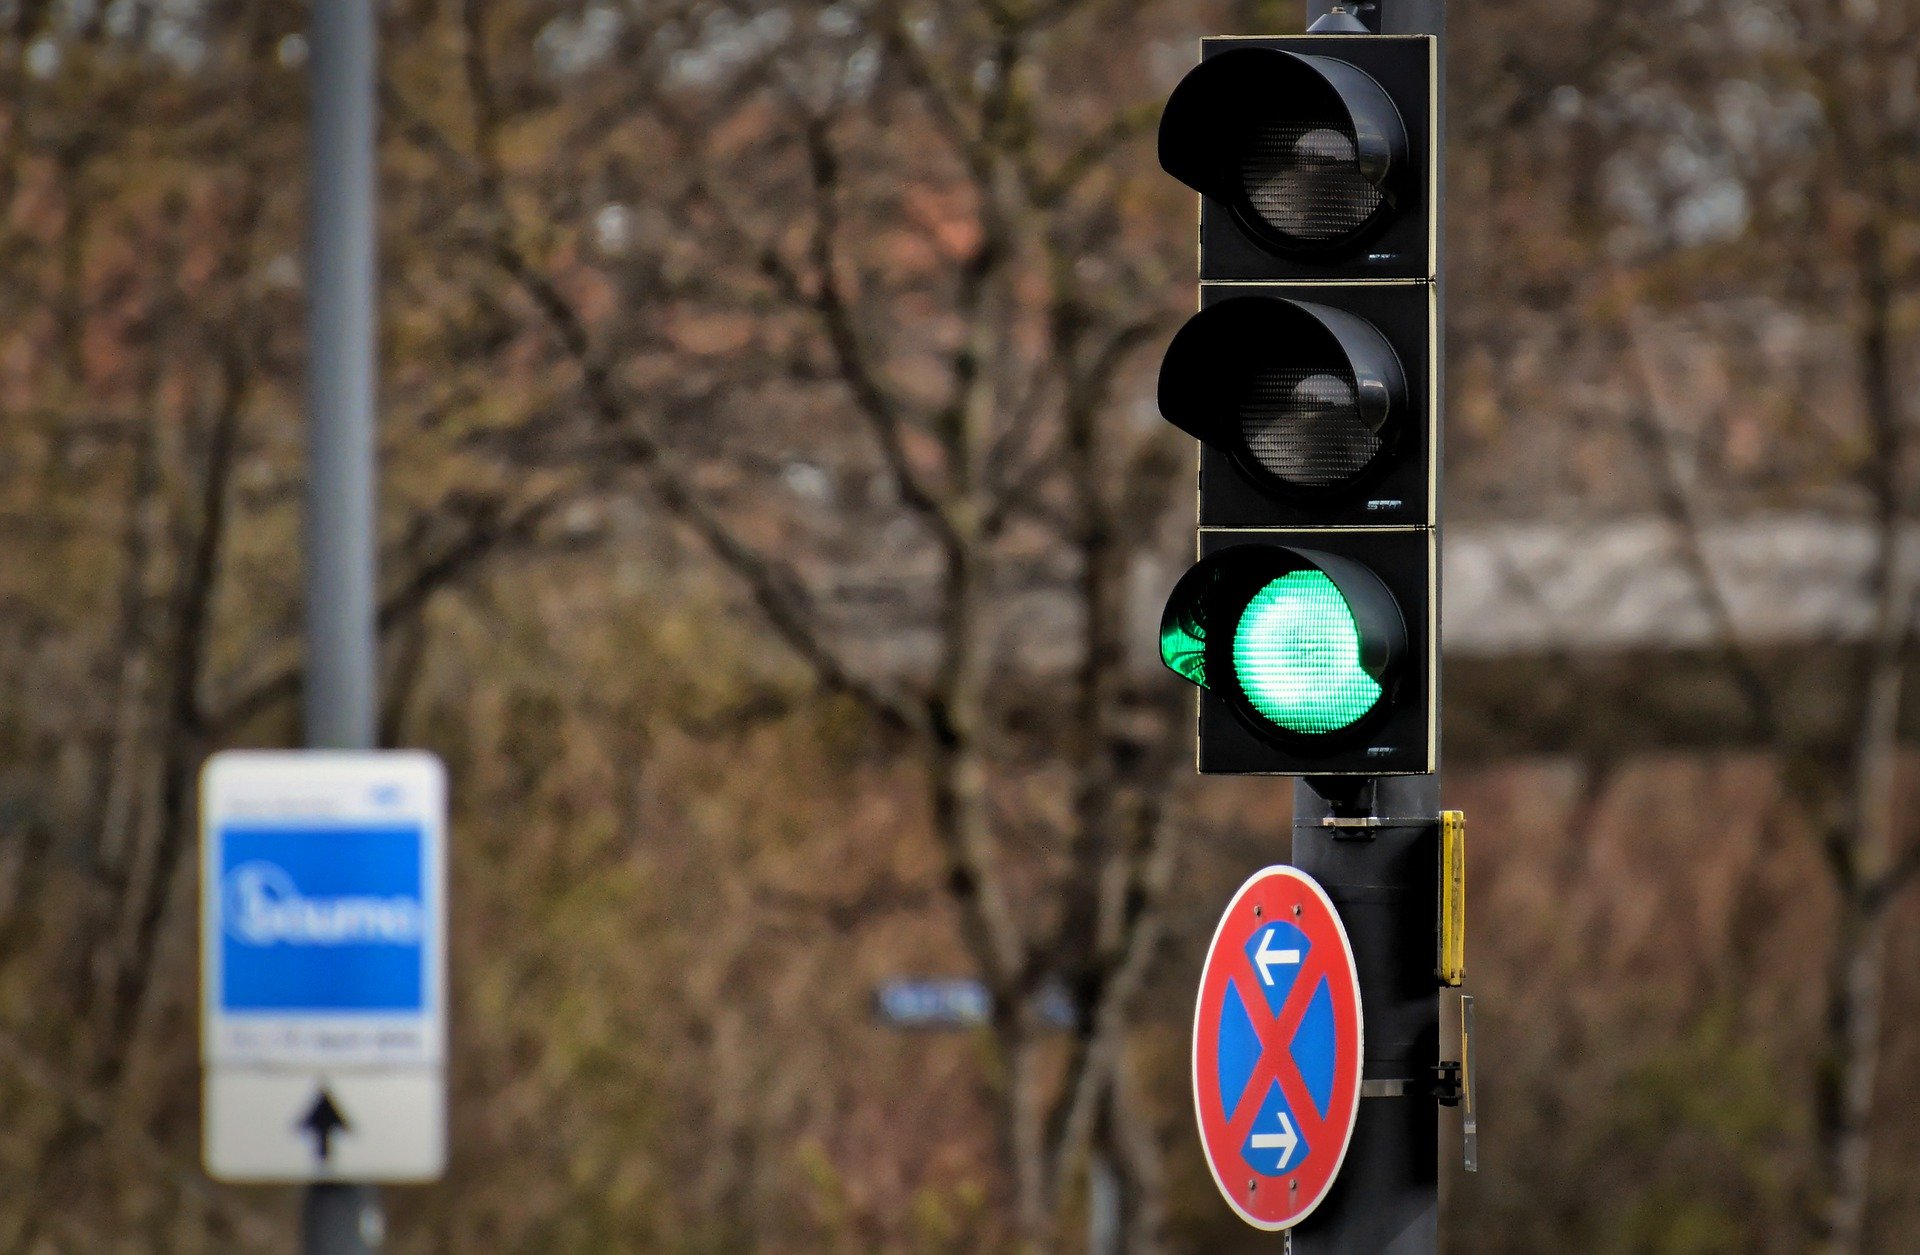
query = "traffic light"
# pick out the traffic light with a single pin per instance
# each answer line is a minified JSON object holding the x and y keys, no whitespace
{"x":1310,"y":377}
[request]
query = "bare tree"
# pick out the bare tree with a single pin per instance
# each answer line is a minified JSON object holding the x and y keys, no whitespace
{"x":1846,"y":201}
{"x":990,"y":417}
{"x":145,"y":231}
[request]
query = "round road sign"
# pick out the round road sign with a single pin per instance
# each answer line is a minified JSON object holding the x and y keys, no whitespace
{"x":1276,"y":1048}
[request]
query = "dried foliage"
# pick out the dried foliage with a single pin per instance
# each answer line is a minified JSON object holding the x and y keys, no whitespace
{"x":775,"y":514}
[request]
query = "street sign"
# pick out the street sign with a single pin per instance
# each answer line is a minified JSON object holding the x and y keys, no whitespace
{"x":323,"y":971}
{"x":957,"y":1002}
{"x":1276,"y":1049}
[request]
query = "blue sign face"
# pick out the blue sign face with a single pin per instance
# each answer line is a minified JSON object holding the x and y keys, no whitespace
{"x":958,"y":1003}
{"x":1275,"y":1142}
{"x":322,"y":920}
{"x":935,"y":1003}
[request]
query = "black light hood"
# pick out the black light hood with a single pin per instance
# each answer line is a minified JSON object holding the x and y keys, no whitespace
{"x":1207,"y":364}
{"x":1216,"y":111}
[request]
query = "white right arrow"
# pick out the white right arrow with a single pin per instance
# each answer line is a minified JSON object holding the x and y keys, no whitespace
{"x":1284,"y":1141}
{"x":1266,"y":959}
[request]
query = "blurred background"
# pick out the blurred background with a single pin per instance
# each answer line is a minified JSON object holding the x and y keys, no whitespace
{"x":776,"y":517}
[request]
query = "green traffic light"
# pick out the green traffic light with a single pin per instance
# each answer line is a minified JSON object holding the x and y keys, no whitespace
{"x":1296,"y":655}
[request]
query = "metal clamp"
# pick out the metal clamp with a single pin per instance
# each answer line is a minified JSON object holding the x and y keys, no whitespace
{"x":1362,"y":827}
{"x":1445,"y":1083}
{"x":1449,"y":1083}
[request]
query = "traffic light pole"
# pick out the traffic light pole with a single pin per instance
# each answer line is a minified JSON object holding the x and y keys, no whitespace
{"x":1373,"y":844}
{"x":341,"y":1218}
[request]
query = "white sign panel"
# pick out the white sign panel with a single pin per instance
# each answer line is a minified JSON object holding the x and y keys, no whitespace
{"x":323,"y":879}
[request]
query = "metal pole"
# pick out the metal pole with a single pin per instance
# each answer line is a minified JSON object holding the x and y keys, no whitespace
{"x":341,"y":1218}
{"x":340,"y":381}
{"x":1386,"y":1200}
{"x":1103,"y":1205}
{"x":1385,"y":883}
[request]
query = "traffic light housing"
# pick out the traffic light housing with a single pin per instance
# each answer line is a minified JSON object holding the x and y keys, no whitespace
{"x":1314,"y":154}
{"x":1313,"y":407}
{"x":1312,"y":651}
{"x":1310,"y":377}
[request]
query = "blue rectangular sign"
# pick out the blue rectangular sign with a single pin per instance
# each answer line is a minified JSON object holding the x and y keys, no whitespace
{"x":956,"y":1002}
{"x":317,"y":919}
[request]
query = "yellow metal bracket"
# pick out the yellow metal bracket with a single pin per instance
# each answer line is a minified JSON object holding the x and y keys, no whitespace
{"x":1452,"y":965}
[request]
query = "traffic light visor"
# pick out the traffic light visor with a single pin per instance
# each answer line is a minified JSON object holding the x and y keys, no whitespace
{"x":1308,"y":152}
{"x":1305,"y":398}
{"x":1302,"y":645}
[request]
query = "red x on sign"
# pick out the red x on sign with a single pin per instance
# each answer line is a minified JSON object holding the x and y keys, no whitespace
{"x":1277,"y":1042}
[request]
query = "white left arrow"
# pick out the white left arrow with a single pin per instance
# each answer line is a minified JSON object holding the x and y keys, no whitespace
{"x":1266,"y":958}
{"x":1284,"y":1141}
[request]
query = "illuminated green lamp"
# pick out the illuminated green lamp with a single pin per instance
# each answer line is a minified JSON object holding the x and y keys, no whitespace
{"x":1296,"y":653}
{"x":1314,"y":641}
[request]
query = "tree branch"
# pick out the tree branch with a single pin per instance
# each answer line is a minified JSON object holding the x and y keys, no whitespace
{"x":485,"y":536}
{"x":872,"y":398}
{"x":1654,"y":429}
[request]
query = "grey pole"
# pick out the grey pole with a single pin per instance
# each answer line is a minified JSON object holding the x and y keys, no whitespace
{"x":1103,"y":1205}
{"x":341,"y":1218}
{"x":340,"y":380}
{"x":1384,"y":880}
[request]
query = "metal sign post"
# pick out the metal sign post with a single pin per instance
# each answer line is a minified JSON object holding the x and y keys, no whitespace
{"x":341,"y":1218}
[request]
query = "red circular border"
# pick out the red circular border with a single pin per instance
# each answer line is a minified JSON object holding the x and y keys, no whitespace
{"x":1277,"y":891}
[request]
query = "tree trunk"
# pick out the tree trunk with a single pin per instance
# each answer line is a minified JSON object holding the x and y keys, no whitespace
{"x":1143,"y":1185}
{"x":1861,"y":851}
{"x":1853,"y":1044}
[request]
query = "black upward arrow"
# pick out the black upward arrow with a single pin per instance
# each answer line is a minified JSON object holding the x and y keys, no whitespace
{"x":323,"y":1121}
